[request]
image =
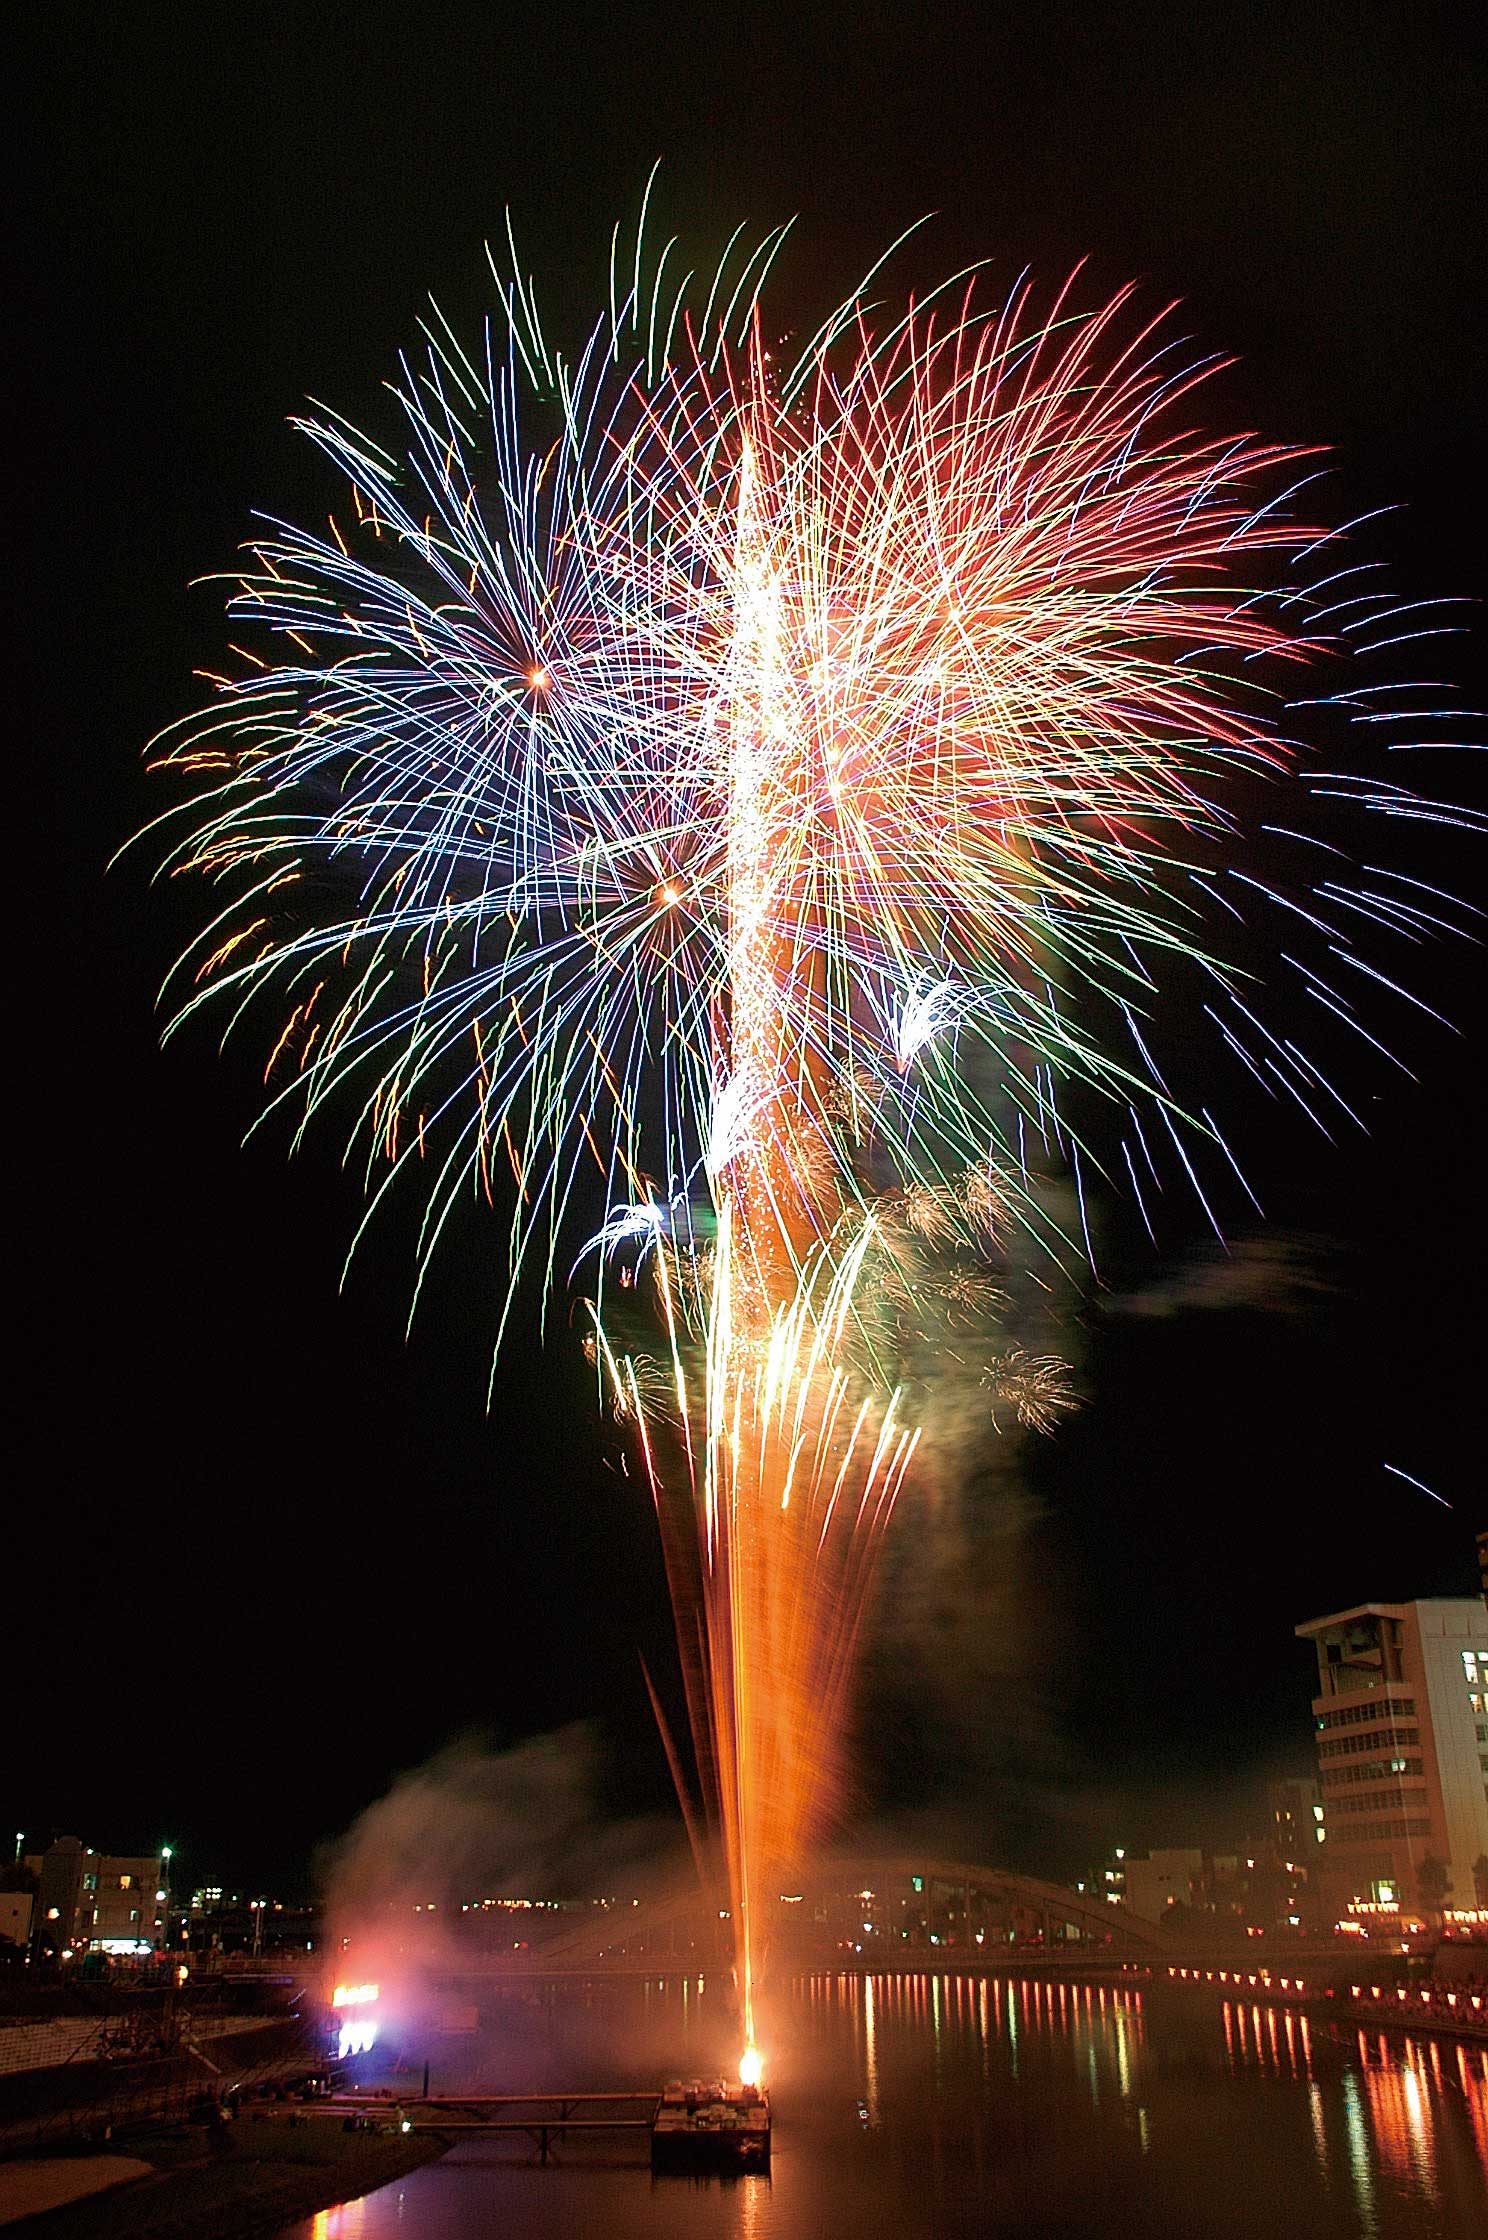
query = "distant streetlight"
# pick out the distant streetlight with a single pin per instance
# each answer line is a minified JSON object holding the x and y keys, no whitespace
{"x":166,"y":1855}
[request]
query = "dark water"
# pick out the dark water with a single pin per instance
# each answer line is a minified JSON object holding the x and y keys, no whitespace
{"x":954,"y":2106}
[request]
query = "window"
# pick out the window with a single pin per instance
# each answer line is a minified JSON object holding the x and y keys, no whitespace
{"x":1378,"y":1710}
{"x":90,"y":1882}
{"x":1378,"y":1769}
{"x":1380,"y":1831}
{"x":126,"y":1882}
{"x":1357,"y":1745}
{"x":1376,"y":1800}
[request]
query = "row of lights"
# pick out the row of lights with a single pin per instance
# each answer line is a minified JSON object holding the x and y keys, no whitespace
{"x":1474,"y":1999}
{"x":1236,"y":1976}
{"x":1263,"y":1980}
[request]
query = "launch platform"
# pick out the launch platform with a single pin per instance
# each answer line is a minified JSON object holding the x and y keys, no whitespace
{"x":711,"y":2127}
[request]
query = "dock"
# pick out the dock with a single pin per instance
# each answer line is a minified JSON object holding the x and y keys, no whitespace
{"x":691,"y":2127}
{"x":540,"y":2116}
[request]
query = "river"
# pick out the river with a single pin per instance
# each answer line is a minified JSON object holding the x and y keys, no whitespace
{"x":956,"y":2106}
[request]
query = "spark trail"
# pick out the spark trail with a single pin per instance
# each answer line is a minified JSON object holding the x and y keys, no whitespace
{"x":745,"y":823}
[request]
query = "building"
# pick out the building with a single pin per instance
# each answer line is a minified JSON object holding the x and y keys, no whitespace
{"x":1161,"y":1880}
{"x":1401,"y":1713}
{"x":1110,"y":1883}
{"x":89,"y":1899}
{"x":225,"y":1921}
{"x":1483,"y":1565}
{"x":1294,"y":1812}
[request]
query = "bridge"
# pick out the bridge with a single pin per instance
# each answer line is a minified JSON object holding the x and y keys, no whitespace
{"x":874,"y":1914}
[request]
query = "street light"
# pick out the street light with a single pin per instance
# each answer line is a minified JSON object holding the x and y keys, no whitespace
{"x":166,"y":1855}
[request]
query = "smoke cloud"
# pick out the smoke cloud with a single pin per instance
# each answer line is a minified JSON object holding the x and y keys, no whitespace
{"x":475,"y":1823}
{"x":1276,"y":1274}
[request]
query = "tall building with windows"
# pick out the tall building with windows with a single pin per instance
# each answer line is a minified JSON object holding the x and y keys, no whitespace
{"x":1401,"y":1713}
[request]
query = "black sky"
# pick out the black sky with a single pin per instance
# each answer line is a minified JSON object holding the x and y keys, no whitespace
{"x":259,"y":1551}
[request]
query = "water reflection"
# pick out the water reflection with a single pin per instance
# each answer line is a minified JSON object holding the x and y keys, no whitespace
{"x":957,"y":2105}
{"x":1358,"y":2154}
{"x":1392,"y":2098}
{"x":870,"y":2049}
{"x":347,"y":2221}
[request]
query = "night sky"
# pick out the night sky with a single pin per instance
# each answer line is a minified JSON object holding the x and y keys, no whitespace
{"x":261,"y":1552}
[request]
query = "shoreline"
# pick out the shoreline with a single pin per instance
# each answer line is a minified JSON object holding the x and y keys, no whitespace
{"x":243,"y":2182}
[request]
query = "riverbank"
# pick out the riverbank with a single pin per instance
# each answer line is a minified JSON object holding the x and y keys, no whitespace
{"x":1436,"y":2009}
{"x":238,"y":2182}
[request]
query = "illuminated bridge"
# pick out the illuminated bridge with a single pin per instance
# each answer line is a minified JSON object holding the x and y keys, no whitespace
{"x":857,"y":1913}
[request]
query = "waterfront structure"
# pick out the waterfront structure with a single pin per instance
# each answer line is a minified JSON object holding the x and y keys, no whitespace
{"x":228,"y":1921}
{"x":92,"y":1900}
{"x":1401,"y":1713}
{"x":843,"y":1912}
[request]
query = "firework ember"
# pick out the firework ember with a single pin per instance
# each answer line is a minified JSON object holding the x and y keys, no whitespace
{"x":733,"y":820}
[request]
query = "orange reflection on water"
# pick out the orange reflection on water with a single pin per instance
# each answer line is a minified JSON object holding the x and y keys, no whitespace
{"x":343,"y":2222}
{"x":1401,"y":2115}
{"x":870,"y":2050}
{"x":1264,"y":2038}
{"x":1472,"y":2076}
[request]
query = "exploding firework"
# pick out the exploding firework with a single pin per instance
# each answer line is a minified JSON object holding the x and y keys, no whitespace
{"x":733,"y":819}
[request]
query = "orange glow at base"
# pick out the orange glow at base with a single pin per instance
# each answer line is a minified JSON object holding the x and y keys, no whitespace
{"x":751,"y":2067}
{"x":354,"y":1995}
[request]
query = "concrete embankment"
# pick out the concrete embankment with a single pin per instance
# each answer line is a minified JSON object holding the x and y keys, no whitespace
{"x":238,"y":2182}
{"x":54,"y":2181}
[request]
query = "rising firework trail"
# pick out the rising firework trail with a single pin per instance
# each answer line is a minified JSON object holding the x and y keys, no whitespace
{"x":739,"y":816}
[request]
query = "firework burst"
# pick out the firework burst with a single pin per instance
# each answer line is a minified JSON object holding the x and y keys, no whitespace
{"x":736,"y":818}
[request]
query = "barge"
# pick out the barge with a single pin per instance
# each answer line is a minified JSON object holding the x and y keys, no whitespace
{"x":711,"y":2127}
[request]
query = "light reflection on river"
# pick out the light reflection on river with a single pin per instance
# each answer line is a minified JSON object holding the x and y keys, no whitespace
{"x":958,"y":2105}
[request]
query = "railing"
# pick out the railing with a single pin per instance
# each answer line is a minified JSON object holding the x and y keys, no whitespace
{"x":28,"y":2044}
{"x":538,"y":2116}
{"x":150,"y":2088}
